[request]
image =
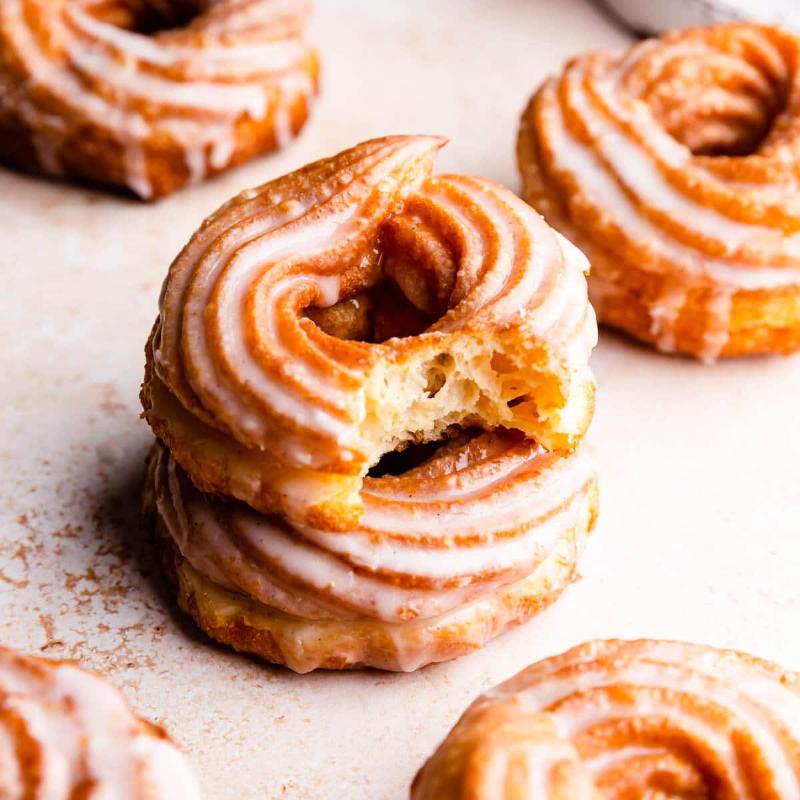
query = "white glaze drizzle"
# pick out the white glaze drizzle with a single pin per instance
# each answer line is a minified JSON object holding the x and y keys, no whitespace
{"x":577,"y":159}
{"x":631,"y":164}
{"x":83,"y":731}
{"x":717,"y":332}
{"x":534,"y":503}
{"x":594,"y":707}
{"x":664,"y":313}
{"x":537,"y":278}
{"x":226,"y":82}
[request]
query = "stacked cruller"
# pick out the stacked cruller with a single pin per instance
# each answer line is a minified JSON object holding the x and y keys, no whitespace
{"x":322,"y":328}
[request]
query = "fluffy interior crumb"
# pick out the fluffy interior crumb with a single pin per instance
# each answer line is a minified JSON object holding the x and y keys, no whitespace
{"x":488,"y":382}
{"x":485,"y":387}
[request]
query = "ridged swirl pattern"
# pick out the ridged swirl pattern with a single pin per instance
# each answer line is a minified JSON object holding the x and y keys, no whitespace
{"x":677,"y":162}
{"x":234,"y":349}
{"x":478,"y":515}
{"x":66,"y":734}
{"x":238,"y":75}
{"x":615,"y":719}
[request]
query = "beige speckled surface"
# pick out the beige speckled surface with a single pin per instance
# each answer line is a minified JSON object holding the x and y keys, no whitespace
{"x":700,"y":529}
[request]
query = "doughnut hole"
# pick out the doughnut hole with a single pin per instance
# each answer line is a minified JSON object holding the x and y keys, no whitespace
{"x":147,"y":17}
{"x":409,"y":292}
{"x":350,"y":319}
{"x":732,"y":91}
{"x":415,"y":455}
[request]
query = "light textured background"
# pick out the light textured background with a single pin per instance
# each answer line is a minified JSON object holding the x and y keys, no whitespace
{"x":699,"y":535}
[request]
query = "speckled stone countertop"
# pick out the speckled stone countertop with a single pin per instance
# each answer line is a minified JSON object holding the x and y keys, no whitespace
{"x":699,"y":536}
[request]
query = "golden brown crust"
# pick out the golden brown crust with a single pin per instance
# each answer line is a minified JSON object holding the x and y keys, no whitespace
{"x":626,"y":719}
{"x":304,"y":645}
{"x":125,"y":108}
{"x":222,"y":467}
{"x":258,"y":402}
{"x":276,"y":396}
{"x":760,"y":322}
{"x":679,"y":189}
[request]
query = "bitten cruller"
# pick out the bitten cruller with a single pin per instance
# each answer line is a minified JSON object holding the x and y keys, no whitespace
{"x":255,"y":400}
{"x":674,"y":166}
{"x":149,"y":96}
{"x":384,"y":373}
